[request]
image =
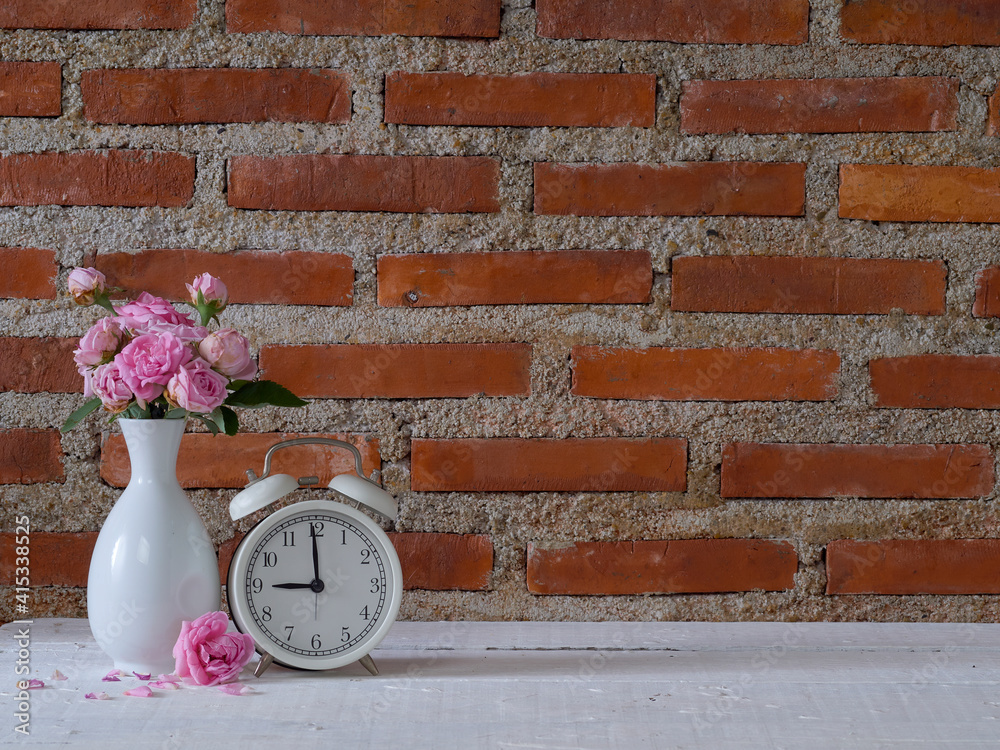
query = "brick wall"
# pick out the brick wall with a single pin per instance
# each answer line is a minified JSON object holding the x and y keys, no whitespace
{"x":652,"y":309}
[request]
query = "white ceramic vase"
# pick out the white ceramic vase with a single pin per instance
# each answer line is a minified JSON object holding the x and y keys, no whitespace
{"x":154,"y":564}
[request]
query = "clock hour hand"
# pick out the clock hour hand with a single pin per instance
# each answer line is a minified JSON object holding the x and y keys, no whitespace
{"x":292,"y":586}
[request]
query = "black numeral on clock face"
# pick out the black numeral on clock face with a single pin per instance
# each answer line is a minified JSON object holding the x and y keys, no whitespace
{"x":270,"y":559}
{"x":288,"y":539}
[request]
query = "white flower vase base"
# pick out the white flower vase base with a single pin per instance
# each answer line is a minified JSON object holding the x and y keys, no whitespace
{"x":154,"y":564}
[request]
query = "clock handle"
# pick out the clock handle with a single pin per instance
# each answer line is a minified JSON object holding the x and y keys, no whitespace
{"x":312,"y":441}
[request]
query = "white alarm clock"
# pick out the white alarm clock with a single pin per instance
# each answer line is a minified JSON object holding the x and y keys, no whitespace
{"x":316,"y":584}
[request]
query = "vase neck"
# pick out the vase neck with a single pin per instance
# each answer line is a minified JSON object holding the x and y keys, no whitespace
{"x":152,"y":447}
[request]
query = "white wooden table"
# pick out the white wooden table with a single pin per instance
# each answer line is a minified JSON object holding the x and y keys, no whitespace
{"x":553,"y":685}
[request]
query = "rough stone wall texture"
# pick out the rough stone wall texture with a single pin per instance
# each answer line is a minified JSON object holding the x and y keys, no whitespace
{"x":596,"y":409}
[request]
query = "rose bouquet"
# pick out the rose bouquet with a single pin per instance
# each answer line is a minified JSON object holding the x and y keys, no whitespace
{"x":149,"y":361}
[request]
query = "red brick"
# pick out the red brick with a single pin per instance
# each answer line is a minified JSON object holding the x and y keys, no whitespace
{"x":221,"y":461}
{"x":287,"y":278}
{"x":30,"y":89}
{"x":898,"y":192}
{"x":29,"y":273}
{"x":57,"y":559}
{"x":932,"y":22}
{"x":443,"y":562}
{"x":30,"y":456}
{"x":97,"y":178}
{"x":830,"y":105}
{"x":913,"y":566}
{"x":103,"y":14}
{"x":818,"y":286}
{"x":549,"y":465}
{"x":738,"y":374}
{"x":39,"y":365}
{"x":987,"y":304}
{"x":684,"y":566}
{"x":515,"y":278}
{"x":936,"y":381}
{"x":462,"y":18}
{"x":811,"y":470}
{"x":175,"y":96}
{"x":691,"y":189}
{"x":400,"y":370}
{"x":692,"y":21}
{"x":338,"y":182}
{"x":525,"y":100}
{"x":437,"y":562}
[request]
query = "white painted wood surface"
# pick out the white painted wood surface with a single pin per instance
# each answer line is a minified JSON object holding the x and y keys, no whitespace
{"x":554,"y":685}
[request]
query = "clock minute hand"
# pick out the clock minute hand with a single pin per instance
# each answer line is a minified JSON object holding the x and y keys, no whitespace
{"x":312,"y":533}
{"x":292,"y":586}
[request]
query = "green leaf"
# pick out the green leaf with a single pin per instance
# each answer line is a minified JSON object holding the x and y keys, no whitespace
{"x":209,"y":423}
{"x":176,"y":413}
{"x":235,"y":385}
{"x":136,"y":412}
{"x":264,"y":393}
{"x":74,"y":419}
{"x":230,"y":420}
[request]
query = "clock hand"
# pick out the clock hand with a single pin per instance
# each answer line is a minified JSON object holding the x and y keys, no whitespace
{"x":317,"y":584}
{"x":312,"y":533}
{"x":292,"y":586}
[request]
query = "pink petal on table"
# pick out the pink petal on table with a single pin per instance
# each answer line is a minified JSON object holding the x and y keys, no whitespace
{"x":142,"y":676}
{"x":35,"y":684}
{"x":235,"y":688}
{"x":112,"y":676}
{"x":164,"y":685}
{"x":58,"y":676}
{"x":97,"y":696}
{"x":140,"y":692}
{"x":168,"y":678}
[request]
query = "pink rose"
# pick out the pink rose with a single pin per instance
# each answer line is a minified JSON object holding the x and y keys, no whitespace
{"x":186,"y":333}
{"x":148,"y":310}
{"x":149,"y":361}
{"x":99,"y":344}
{"x":213,"y":291}
{"x":84,"y":284}
{"x":107,"y":384}
{"x":197,"y":388}
{"x":207,"y":654}
{"x":228,"y":352}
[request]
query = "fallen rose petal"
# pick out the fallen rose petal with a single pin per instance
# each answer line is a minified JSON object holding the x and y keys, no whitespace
{"x":140,"y":692}
{"x":112,"y":676}
{"x":58,"y":676}
{"x":142,"y":676}
{"x":164,"y":685}
{"x":97,"y":696}
{"x":35,"y":684}
{"x":168,"y":678}
{"x":234,"y":688}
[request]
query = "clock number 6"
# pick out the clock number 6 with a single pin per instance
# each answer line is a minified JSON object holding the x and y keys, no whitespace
{"x":316,"y":643}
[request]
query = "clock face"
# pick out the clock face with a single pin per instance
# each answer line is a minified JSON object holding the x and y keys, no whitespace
{"x":316,"y":584}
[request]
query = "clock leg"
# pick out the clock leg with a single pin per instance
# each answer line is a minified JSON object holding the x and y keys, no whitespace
{"x":368,"y":663}
{"x":264,"y":663}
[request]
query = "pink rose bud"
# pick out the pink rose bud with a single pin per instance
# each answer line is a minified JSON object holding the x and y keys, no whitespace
{"x":207,"y":654}
{"x":86,"y":283}
{"x":107,"y":384}
{"x":197,"y":388}
{"x":213,"y":291}
{"x":228,"y":352}
{"x":149,"y":361}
